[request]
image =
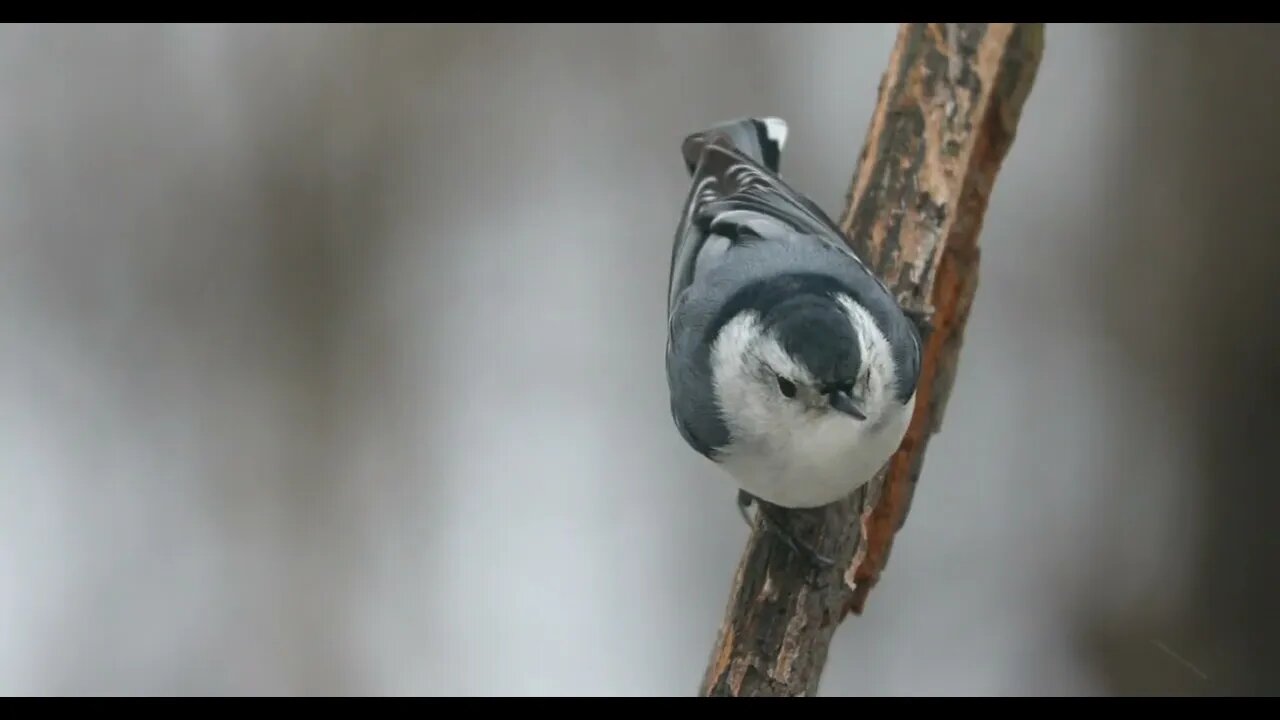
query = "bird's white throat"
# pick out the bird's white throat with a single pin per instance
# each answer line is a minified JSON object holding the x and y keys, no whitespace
{"x":783,"y":454}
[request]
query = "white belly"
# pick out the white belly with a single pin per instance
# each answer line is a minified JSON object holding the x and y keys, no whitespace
{"x":821,"y":465}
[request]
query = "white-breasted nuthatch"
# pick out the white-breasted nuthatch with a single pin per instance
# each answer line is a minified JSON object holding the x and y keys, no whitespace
{"x":789,"y":363}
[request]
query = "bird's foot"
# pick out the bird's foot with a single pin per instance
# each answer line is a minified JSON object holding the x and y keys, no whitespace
{"x":781,"y":530}
{"x":744,"y":502}
{"x":922,"y":316}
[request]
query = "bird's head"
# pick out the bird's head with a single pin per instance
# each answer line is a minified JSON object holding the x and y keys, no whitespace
{"x":809,"y":362}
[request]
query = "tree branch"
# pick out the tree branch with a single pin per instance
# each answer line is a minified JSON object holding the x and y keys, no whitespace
{"x":947,"y":113}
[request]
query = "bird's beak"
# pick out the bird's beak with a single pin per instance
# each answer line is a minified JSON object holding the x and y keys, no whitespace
{"x":841,"y":401}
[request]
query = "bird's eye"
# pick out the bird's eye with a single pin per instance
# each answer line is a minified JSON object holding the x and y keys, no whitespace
{"x":787,"y":387}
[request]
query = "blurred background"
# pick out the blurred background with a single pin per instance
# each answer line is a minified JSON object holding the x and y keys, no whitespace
{"x":331,"y":363}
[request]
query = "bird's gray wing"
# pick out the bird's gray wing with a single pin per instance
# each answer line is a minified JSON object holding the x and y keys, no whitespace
{"x":733,"y":196}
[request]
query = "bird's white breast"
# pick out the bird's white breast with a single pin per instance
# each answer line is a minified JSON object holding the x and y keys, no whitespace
{"x":819,"y":464}
{"x":790,"y":457}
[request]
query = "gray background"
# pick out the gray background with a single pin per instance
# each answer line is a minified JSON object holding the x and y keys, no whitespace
{"x":331,"y":362}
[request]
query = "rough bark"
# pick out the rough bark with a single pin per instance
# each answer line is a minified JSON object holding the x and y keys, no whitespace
{"x":946,"y":115}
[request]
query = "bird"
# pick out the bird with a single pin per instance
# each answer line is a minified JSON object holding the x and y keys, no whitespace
{"x":790,"y":365}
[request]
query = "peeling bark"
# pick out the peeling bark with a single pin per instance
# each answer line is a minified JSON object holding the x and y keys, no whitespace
{"x":946,"y":116}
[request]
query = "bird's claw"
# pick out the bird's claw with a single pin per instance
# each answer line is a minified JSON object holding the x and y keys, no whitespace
{"x":744,"y":502}
{"x":782,"y":531}
{"x":922,"y":317}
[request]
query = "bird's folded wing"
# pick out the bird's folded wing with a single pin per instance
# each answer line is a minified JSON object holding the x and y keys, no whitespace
{"x":733,"y":198}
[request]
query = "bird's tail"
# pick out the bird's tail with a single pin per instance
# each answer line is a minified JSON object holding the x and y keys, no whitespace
{"x":759,"y":138}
